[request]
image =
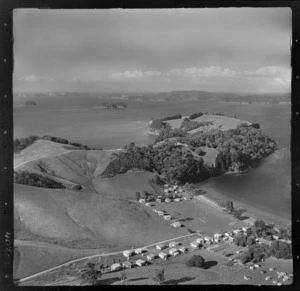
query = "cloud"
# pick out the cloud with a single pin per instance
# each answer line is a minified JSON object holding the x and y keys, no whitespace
{"x":35,"y":78}
{"x":277,"y":74}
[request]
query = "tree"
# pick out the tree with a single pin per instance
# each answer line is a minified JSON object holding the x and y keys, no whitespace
{"x":159,"y":276}
{"x":190,"y":230}
{"x":241,"y":240}
{"x":195,"y":261}
{"x":237,"y":213}
{"x":260,"y":223}
{"x":90,"y":275}
{"x":281,"y":250}
{"x":137,"y":195}
{"x":250,"y":240}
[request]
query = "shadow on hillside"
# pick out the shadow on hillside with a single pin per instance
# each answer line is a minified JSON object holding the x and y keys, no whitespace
{"x":108,"y":281}
{"x":209,"y":264}
{"x":137,"y":279}
{"x":243,"y":217}
{"x":181,"y":280}
{"x":201,"y":192}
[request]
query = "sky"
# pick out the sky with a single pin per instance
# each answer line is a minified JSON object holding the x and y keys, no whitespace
{"x":151,"y":50}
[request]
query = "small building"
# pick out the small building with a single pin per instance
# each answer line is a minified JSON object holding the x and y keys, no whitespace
{"x":140,"y":251}
{"x":245,"y":228}
{"x":116,"y":267}
{"x":183,"y":249}
{"x":148,"y":204}
{"x":142,"y":201}
{"x":279,"y":284}
{"x":176,"y":254}
{"x":207,"y":238}
{"x":268,"y":278}
{"x":256,"y":265}
{"x":172,"y":251}
{"x":194,"y":245}
{"x":167,"y":200}
{"x":276,"y":237}
{"x":251,"y":267}
{"x":173,"y":244}
{"x":140,"y":263}
{"x":216,"y":240}
{"x":150,"y":257}
{"x":226,"y":234}
{"x":160,"y":247}
{"x":200,"y":240}
{"x":158,"y":200}
{"x":238,"y":251}
{"x":246,"y":278}
{"x":217,"y":235}
{"x":127,"y":265}
{"x":167,"y":217}
{"x":236,"y":231}
{"x":177,"y":199}
{"x":160,"y":213}
{"x":163,"y":256}
{"x":275,"y":282}
{"x":128,"y":253}
{"x":176,"y":224}
{"x":166,"y":185}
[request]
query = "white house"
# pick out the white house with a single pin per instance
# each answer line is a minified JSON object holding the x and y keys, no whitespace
{"x":140,"y":263}
{"x":176,"y":224}
{"x":115,"y":267}
{"x":268,"y":278}
{"x":160,"y":213}
{"x":173,"y":244}
{"x":160,"y":247}
{"x":194,"y":245}
{"x":142,"y":201}
{"x":236,"y":231}
{"x":128,"y":253}
{"x":150,"y":257}
{"x":276,"y":237}
{"x":167,"y":200}
{"x":127,"y":265}
{"x":167,"y":217}
{"x":245,"y":228}
{"x":177,"y":199}
{"x":217,"y":235}
{"x":163,"y":256}
{"x":227,"y":234}
{"x":172,"y":251}
{"x":140,"y":251}
{"x":208,"y":239}
{"x":176,"y":254}
{"x":251,"y":267}
{"x":200,"y":240}
{"x":217,"y":240}
{"x":148,"y":204}
{"x":183,"y":249}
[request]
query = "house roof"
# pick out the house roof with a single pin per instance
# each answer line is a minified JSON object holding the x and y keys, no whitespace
{"x":162,"y":254}
{"x":116,"y":265}
{"x":140,"y":261}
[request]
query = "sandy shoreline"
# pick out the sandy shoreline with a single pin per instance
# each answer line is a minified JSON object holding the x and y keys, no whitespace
{"x":214,"y":198}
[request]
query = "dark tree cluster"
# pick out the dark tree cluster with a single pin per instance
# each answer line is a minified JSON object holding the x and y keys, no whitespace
{"x":188,"y":124}
{"x":36,"y":180}
{"x":22,"y":143}
{"x":196,"y":261}
{"x":168,"y":132}
{"x":255,"y":253}
{"x":178,"y":116}
{"x":242,"y":146}
{"x":281,"y":250}
{"x":195,"y":115}
{"x":173,"y":162}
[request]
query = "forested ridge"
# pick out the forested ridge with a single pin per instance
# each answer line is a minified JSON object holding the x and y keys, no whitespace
{"x":239,"y":149}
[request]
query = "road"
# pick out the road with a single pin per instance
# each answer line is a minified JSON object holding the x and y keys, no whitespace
{"x":96,"y":256}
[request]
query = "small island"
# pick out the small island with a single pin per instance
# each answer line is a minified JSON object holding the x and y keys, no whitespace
{"x":30,"y":103}
{"x":114,"y":105}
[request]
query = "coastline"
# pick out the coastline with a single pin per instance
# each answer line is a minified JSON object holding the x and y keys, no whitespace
{"x":214,"y":198}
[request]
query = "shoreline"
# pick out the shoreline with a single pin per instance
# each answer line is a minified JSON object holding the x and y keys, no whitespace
{"x":214,"y":198}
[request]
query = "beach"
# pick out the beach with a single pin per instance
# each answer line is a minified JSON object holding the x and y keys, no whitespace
{"x":215,"y":198}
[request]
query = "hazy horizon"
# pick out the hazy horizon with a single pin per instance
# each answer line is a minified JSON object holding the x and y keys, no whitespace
{"x":224,"y":50}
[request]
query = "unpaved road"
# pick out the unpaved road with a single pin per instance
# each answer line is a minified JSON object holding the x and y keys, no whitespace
{"x":94,"y":256}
